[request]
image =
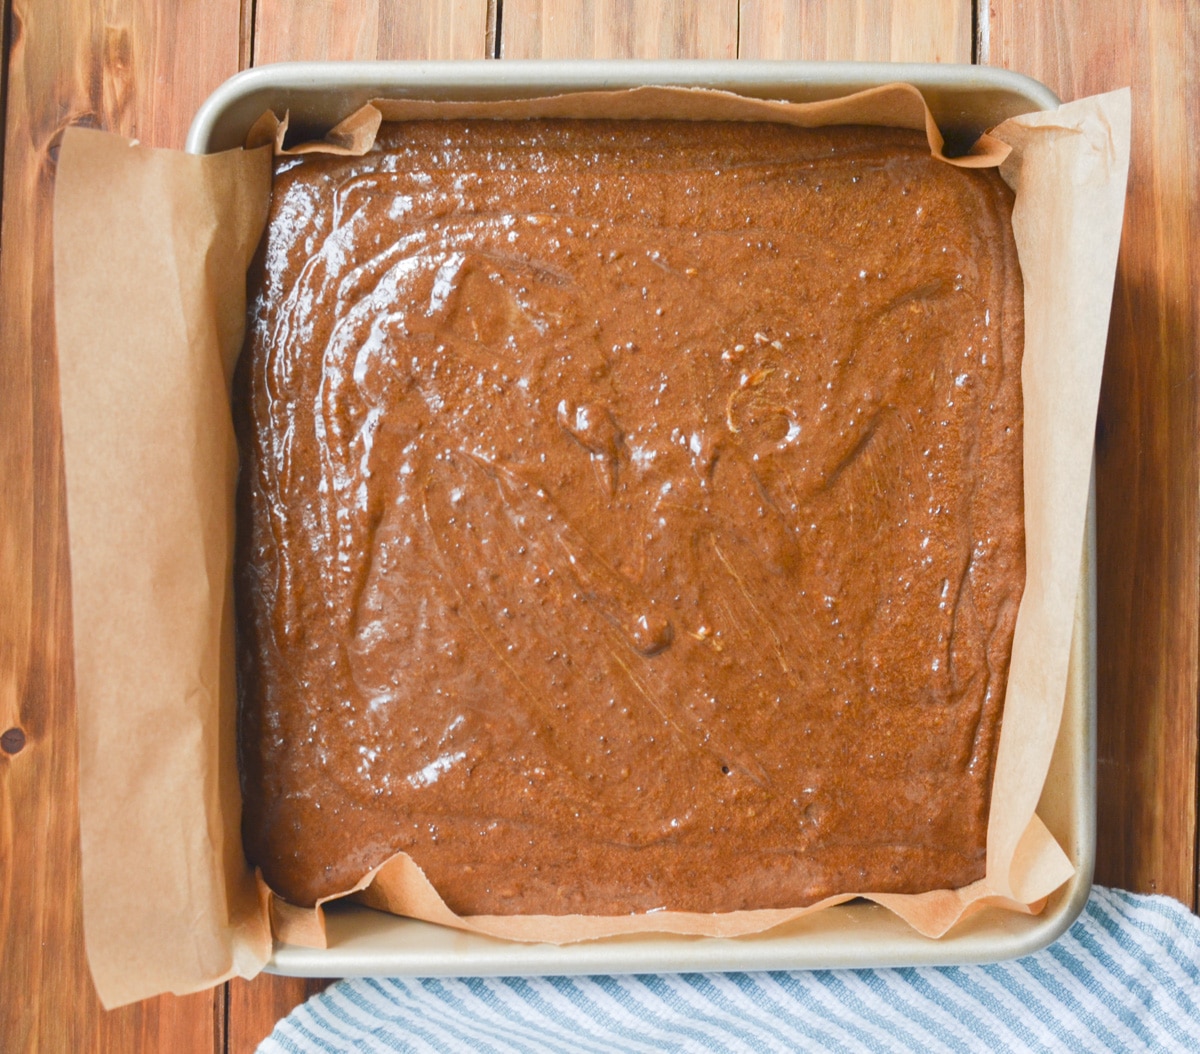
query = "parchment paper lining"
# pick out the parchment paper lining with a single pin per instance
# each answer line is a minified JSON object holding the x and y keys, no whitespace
{"x":146,"y":419}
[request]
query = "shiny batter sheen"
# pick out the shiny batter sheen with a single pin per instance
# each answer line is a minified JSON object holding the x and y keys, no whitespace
{"x":630,"y":515}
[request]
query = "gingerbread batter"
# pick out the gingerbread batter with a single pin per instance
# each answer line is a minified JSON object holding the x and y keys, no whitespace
{"x":630,"y":515}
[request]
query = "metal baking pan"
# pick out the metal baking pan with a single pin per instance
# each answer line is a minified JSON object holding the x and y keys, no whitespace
{"x":965,"y":100}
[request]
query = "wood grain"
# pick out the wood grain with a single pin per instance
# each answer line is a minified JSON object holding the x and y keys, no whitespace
{"x":115,"y":65}
{"x":602,"y":29}
{"x":290,"y":30}
{"x":1147,"y":459}
{"x":865,"y":30}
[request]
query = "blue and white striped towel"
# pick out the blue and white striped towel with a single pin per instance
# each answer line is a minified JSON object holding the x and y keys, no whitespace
{"x":1125,"y":977}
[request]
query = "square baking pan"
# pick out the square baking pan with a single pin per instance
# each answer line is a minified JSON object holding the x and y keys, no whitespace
{"x":965,"y":100}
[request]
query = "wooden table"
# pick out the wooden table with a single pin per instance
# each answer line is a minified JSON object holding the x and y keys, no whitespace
{"x":142,"y":67}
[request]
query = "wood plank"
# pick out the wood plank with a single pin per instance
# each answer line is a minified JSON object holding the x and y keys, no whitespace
{"x":602,"y":29}
{"x":255,"y":1006}
{"x":289,"y":30}
{"x":4,"y":9}
{"x":123,"y":66}
{"x":866,"y":30}
{"x":1147,"y":460}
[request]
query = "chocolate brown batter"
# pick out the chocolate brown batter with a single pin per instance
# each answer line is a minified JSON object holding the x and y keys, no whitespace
{"x":630,"y":515}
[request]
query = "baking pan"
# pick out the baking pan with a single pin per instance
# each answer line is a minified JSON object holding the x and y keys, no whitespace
{"x":965,"y":100}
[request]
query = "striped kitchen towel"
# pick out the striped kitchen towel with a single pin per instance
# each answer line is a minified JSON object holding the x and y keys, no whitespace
{"x":1125,"y":977}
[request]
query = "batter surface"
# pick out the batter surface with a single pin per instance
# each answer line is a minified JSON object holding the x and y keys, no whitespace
{"x":630,"y":515}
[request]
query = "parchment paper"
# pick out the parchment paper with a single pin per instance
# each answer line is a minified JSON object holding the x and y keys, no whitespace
{"x":150,"y":254}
